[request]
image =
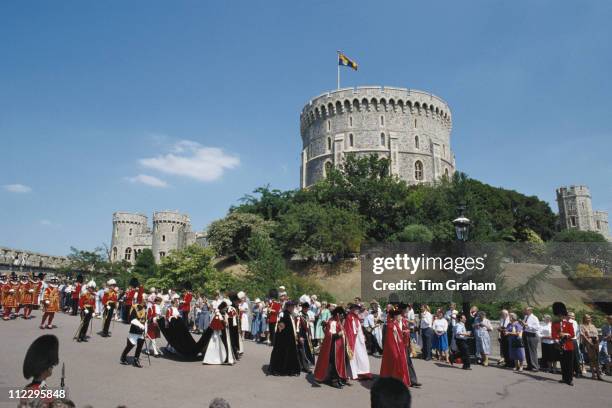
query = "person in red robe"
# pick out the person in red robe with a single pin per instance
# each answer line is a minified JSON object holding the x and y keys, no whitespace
{"x":26,"y":296}
{"x":331,"y":363}
{"x":10,"y":296}
{"x":51,"y":303}
{"x":562,"y":331}
{"x":394,"y":363}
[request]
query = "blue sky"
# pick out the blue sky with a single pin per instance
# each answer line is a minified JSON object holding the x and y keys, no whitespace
{"x":151,"y":105}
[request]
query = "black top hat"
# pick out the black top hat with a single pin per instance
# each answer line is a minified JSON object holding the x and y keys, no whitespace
{"x":42,"y":354}
{"x":559,"y":309}
{"x":133,"y":282}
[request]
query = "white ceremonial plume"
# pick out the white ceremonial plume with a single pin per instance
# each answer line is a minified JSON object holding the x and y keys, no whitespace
{"x":304,"y":299}
{"x":241,"y":295}
{"x":111,"y":282}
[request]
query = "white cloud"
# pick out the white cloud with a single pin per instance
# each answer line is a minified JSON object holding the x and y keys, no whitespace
{"x":148,"y":180}
{"x":45,"y":222}
{"x":190,"y":159}
{"x":17,"y":188}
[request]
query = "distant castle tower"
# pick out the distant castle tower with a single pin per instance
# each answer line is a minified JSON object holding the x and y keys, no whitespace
{"x":411,"y":128}
{"x":576,"y":211}
{"x":131,"y":234}
{"x":171,"y":230}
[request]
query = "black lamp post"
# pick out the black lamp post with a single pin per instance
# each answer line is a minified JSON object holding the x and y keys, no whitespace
{"x":462,"y":226}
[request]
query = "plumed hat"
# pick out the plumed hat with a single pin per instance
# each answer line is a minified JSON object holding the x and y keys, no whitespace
{"x":111,"y":282}
{"x":559,"y":309}
{"x":339,"y":310}
{"x":134,"y":282}
{"x":273,"y":294}
{"x":79,"y":278}
{"x":42,"y":354}
{"x":241,"y":295}
{"x":304,"y":299}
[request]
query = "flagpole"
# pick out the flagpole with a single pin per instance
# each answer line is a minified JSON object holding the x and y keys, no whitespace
{"x":338,"y":66}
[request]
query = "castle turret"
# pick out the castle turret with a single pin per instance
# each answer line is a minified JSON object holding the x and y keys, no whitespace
{"x":129,"y":230}
{"x":171,"y":230}
{"x":576,"y":211}
{"x":411,"y":128}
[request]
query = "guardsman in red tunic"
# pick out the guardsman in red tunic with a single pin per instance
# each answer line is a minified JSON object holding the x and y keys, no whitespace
{"x":76,"y":293}
{"x":274,"y":308}
{"x":41,"y":357}
{"x":10,"y":296}
{"x":87,"y":304}
{"x":562,"y":332}
{"x":50,"y":303}
{"x":185,"y":304}
{"x":2,"y":283}
{"x":26,"y":296}
{"x":109,"y":300}
{"x":133,"y":297}
{"x":37,"y":284}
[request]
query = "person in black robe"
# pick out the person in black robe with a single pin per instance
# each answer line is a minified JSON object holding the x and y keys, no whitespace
{"x":233,"y":324}
{"x":305,"y":348}
{"x":285,"y":358}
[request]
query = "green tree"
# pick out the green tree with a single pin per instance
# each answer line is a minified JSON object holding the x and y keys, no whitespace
{"x":145,"y":266}
{"x":229,"y":236}
{"x":89,"y":262}
{"x":193,"y":264}
{"x":574,"y":235}
{"x":308,"y":229}
{"x":414,"y":233}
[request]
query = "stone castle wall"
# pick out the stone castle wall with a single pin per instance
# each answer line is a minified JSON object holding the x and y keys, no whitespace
{"x":576,"y":211}
{"x":411,"y":128}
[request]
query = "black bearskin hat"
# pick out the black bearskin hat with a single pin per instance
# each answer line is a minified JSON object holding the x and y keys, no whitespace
{"x":79,"y":278}
{"x":305,"y":305}
{"x":233,"y":296}
{"x":273,"y":294}
{"x":41,"y":276}
{"x":353,"y":306}
{"x":222,"y":306}
{"x":42,"y":354}
{"x":134,"y":282}
{"x":187,"y":285}
{"x":394,"y":299}
{"x":339,"y":310}
{"x":559,"y":309}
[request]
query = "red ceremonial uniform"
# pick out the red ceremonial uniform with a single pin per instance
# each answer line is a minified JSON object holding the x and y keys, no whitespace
{"x":333,"y":342}
{"x":566,"y":327}
{"x":37,"y":289}
{"x":87,"y":300}
{"x":217,"y":323}
{"x":76,"y":292}
{"x":10,"y":293}
{"x":51,"y":300}
{"x":394,"y":362}
{"x":185,"y":305}
{"x":26,"y":294}
{"x":110,"y":296}
{"x":273,"y":311}
{"x":153,"y":313}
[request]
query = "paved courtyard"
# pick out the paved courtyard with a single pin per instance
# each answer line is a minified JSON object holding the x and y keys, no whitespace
{"x":95,"y":377}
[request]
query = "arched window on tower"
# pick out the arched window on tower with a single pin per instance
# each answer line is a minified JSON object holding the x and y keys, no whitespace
{"x":114,"y":253}
{"x":382,"y":139}
{"x":415,"y":123}
{"x":382,"y":120}
{"x":418,"y":170}
{"x":329,"y":144}
{"x":128,"y":253}
{"x":351,"y":140}
{"x":416,"y":142}
{"x":446,"y":173}
{"x":328,"y":125}
{"x":350,"y":121}
{"x":328,"y":168}
{"x":173,"y":228}
{"x":163,"y":238}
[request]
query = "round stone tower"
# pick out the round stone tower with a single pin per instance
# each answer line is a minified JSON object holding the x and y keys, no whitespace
{"x":411,"y":128}
{"x":127,"y":230}
{"x":170,"y":229}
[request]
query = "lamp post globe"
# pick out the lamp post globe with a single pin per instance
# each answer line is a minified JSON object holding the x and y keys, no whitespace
{"x":462,"y":227}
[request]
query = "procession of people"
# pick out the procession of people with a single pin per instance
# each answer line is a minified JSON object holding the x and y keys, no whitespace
{"x":331,"y":343}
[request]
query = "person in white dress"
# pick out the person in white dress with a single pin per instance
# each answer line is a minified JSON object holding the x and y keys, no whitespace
{"x":218,"y":349}
{"x":244,"y":310}
{"x":356,"y":345}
